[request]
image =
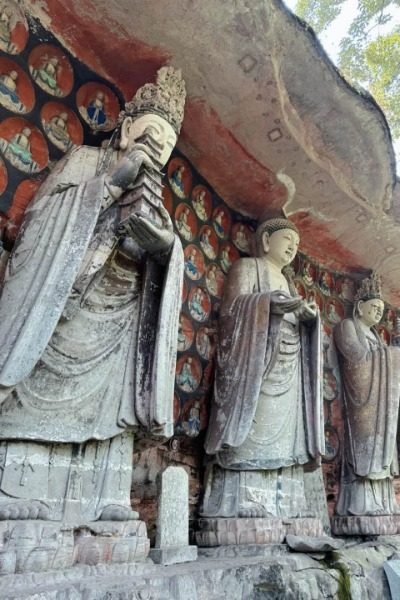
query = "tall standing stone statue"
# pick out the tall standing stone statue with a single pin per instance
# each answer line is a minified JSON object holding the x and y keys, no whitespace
{"x":370,"y":373}
{"x":266,"y":422}
{"x":88,"y":322}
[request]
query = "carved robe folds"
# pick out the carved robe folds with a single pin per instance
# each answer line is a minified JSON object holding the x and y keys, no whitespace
{"x":266,"y":421}
{"x":80,"y":349}
{"x":371,"y":378}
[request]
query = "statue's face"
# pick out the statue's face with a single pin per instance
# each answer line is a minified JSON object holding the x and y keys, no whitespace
{"x":159,"y":129}
{"x":282,"y":246}
{"x":371,"y":311}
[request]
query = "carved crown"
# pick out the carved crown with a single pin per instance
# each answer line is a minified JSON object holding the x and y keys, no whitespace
{"x":165,"y":98}
{"x":370,"y":288}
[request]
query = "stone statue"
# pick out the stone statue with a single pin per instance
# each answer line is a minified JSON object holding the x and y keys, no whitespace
{"x":371,"y":379}
{"x":266,"y":422}
{"x":89,"y":320}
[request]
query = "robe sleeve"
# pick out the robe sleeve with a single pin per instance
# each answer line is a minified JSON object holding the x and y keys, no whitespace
{"x":52,"y":242}
{"x":242,"y":352}
{"x":348,"y":342}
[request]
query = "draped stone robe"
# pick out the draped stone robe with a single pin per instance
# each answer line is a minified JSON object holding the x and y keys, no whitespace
{"x":88,"y":324}
{"x":266,"y":413}
{"x":371,"y":378}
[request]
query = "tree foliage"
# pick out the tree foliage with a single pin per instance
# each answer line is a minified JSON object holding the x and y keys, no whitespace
{"x":369,"y":50}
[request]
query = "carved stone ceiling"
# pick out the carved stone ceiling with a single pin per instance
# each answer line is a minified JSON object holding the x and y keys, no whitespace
{"x":263,"y":99}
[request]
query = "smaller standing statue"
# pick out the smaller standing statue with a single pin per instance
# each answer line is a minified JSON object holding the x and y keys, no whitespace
{"x":265,"y":435}
{"x":371,"y":379}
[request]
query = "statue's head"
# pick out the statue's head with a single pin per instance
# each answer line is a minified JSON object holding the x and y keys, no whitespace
{"x":278,"y":239}
{"x":156,"y":110}
{"x":368,"y":303}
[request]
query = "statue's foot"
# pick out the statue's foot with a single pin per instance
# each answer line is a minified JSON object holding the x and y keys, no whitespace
{"x":115,"y":512}
{"x":254,"y":512}
{"x":24,"y":509}
{"x":379,"y":512}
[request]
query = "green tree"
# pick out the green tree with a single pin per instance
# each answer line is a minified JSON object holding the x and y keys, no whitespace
{"x":369,"y":51}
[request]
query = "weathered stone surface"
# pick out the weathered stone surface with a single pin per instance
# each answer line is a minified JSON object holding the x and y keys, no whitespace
{"x":172,"y":534}
{"x":173,"y":554}
{"x":35,"y":545}
{"x":227,"y":532}
{"x":302,"y":543}
{"x":354,"y":572}
{"x":392,"y":570}
{"x":366,"y":525}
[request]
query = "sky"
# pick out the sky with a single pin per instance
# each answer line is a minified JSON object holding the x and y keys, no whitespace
{"x":330,"y":39}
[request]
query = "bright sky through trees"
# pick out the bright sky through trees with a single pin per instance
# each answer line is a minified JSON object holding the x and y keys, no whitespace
{"x":362,"y":37}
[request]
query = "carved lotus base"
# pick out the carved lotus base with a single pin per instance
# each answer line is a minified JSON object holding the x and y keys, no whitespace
{"x":237,"y":531}
{"x":35,"y":545}
{"x":366,"y":525}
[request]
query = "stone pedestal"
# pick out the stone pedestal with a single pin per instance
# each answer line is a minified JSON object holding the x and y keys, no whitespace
{"x":366,"y":525}
{"x":35,"y":545}
{"x":237,"y":531}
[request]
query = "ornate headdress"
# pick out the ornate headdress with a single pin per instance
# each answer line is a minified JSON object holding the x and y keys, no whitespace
{"x":369,"y":289}
{"x":272,"y":225}
{"x":165,"y":98}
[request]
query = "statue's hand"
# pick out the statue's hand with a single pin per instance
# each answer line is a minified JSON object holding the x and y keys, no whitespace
{"x":282,"y":303}
{"x":155,"y":239}
{"x":307,"y":311}
{"x":123,"y":175}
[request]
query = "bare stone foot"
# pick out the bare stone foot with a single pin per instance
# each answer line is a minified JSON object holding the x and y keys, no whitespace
{"x":254,"y":512}
{"x":24,"y":509}
{"x":115,"y":512}
{"x":377,"y":513}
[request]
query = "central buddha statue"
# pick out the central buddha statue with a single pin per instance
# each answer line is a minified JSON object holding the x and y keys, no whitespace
{"x":266,"y":423}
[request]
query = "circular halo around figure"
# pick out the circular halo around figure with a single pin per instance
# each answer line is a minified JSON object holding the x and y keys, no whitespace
{"x":98,"y":106}
{"x":215,"y":280}
{"x":199,"y":304}
{"x":334,"y":310}
{"x":188,"y":373}
{"x":227,"y":256}
{"x":205,"y":342}
{"x":14,"y":29}
{"x":61,"y":126}
{"x":202,"y":202}
{"x":185,"y":222}
{"x":180,"y":178}
{"x":308,"y":273}
{"x":209,"y":242}
{"x":51,"y":70}
{"x":221,"y":222}
{"x":242,"y":235}
{"x":23,"y":145}
{"x":194,"y":262}
{"x":16,"y":89}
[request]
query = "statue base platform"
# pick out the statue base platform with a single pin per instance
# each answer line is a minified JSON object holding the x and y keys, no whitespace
{"x":238,"y":531}
{"x":173,"y":555}
{"x":35,"y":545}
{"x":366,"y":525}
